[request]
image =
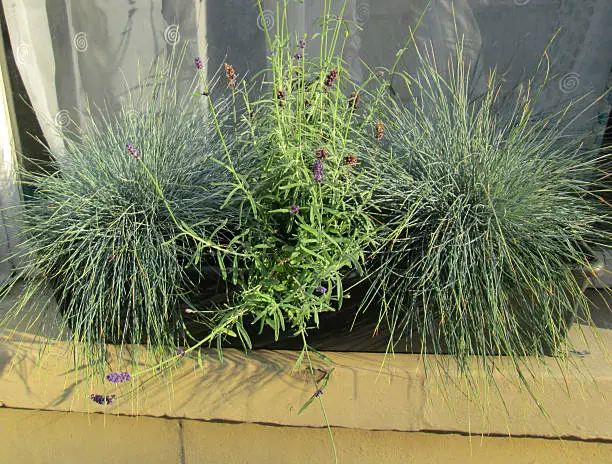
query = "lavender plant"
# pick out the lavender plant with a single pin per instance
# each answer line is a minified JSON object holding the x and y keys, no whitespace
{"x":304,"y":223}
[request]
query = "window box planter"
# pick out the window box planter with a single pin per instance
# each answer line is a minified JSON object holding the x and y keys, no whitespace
{"x":367,"y":391}
{"x":343,"y":330}
{"x":339,"y":328}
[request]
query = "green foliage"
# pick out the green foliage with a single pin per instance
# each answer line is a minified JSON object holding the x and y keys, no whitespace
{"x":302,"y":230}
{"x":465,"y":214}
{"x":112,"y":242}
{"x":486,"y":207}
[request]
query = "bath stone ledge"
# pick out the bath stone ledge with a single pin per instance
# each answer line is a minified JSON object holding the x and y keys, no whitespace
{"x":366,"y":390}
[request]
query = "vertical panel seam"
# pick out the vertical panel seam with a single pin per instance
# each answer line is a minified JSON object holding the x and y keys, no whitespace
{"x":181,"y":443}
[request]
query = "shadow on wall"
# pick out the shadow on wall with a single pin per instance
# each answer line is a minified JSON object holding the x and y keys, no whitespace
{"x":5,"y":359}
{"x":235,"y":34}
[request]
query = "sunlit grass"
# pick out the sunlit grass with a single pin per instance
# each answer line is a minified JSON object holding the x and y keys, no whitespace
{"x":486,"y":208}
{"x":100,"y":233}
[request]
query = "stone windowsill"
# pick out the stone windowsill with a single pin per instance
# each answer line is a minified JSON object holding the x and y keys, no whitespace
{"x":366,"y":391}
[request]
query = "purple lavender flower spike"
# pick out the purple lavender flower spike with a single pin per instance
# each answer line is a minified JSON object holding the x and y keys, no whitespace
{"x":317,"y":171}
{"x":133,"y":150}
{"x":198,"y":62}
{"x":302,"y":43}
{"x":318,"y":393}
{"x":298,"y":56}
{"x":320,"y":289}
{"x":180,"y":352}
{"x":102,"y":399}
{"x":295,"y":209}
{"x":118,"y":377}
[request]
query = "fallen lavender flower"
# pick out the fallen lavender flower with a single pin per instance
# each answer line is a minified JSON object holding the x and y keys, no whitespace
{"x":118,"y":377}
{"x":102,"y":399}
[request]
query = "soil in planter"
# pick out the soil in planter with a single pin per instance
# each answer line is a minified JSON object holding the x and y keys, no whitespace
{"x":345,"y":330}
{"x":338,"y":330}
{"x":342,"y":330}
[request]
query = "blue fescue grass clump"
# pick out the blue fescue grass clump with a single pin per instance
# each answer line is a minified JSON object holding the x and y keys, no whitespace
{"x":106,"y":227}
{"x":487,"y":209}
